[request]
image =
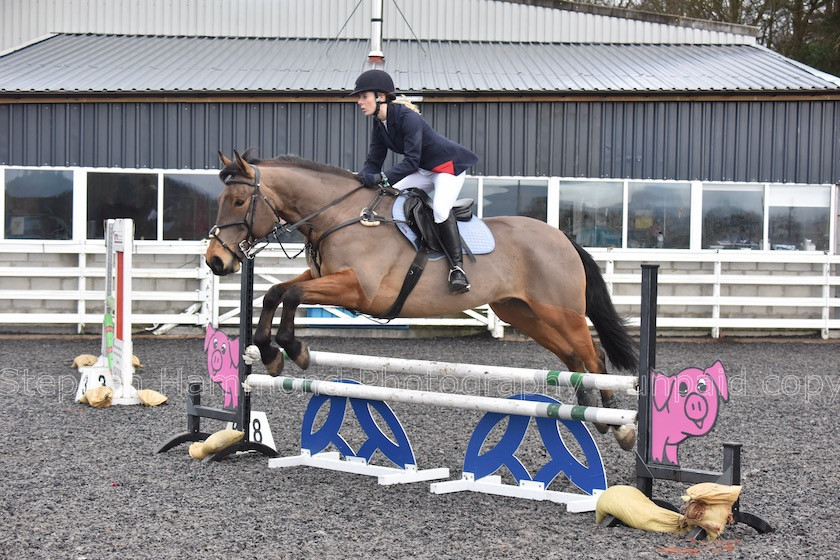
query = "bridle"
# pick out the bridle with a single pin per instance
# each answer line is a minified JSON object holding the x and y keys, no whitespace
{"x":252,"y":245}
{"x":249,"y":246}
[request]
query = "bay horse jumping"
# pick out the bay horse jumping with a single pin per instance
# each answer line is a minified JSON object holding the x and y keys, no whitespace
{"x":536,"y":279}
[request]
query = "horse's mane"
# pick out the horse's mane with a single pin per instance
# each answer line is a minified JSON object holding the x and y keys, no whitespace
{"x":287,"y":160}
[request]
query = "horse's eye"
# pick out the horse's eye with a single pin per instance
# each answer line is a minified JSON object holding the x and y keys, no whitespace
{"x":239,"y":202}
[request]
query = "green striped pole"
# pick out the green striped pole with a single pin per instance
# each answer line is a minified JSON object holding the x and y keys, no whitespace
{"x":613,"y":416}
{"x":622,"y":383}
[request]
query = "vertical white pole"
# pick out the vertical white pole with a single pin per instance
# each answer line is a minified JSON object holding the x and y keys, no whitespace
{"x":696,"y":217}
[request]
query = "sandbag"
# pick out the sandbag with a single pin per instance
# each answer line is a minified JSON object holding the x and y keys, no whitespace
{"x":215,"y":443}
{"x":709,"y":505}
{"x":151,"y":398}
{"x":629,"y":505}
{"x":98,"y":397}
{"x":83,"y":360}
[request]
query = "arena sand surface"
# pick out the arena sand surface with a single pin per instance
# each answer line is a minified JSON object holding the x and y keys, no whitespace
{"x":82,"y":483}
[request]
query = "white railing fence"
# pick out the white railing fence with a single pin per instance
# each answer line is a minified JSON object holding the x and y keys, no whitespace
{"x":60,"y":284}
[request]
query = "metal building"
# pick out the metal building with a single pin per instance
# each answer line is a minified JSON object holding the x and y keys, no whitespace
{"x":571,"y":110}
{"x":557,"y":99}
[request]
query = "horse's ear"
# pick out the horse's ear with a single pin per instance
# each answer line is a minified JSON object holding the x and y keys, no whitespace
{"x":225,"y":161}
{"x":244,"y":166}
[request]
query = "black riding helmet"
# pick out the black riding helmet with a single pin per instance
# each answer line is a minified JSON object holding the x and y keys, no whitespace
{"x":375,"y":80}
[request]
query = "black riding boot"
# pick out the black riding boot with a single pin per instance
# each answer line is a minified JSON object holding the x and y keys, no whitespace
{"x":450,"y":240}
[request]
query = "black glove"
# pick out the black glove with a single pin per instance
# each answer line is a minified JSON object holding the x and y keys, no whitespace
{"x":371,"y":180}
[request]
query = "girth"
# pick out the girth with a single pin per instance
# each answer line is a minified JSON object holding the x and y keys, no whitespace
{"x":410,"y":281}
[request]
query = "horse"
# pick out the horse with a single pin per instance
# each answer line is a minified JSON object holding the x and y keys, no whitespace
{"x":537,"y":279}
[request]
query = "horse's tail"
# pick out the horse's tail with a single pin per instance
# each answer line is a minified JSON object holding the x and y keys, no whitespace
{"x":611,"y":328}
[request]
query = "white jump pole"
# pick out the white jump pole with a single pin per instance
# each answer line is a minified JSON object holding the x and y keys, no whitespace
{"x":624,"y":383}
{"x":613,"y":416}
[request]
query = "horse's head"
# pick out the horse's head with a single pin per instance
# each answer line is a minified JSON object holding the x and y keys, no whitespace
{"x":244,"y":217}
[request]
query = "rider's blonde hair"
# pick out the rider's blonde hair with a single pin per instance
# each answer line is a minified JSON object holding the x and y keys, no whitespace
{"x":403,"y":100}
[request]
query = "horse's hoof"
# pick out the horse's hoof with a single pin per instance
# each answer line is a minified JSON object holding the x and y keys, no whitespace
{"x":275,"y":366}
{"x":302,"y":359}
{"x":602,"y":428}
{"x":625,"y":436}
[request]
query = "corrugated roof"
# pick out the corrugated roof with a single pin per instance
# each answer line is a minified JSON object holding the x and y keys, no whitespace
{"x":120,"y":64}
{"x":538,"y":21}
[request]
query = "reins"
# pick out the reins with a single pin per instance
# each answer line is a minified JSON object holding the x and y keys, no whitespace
{"x":251,"y":246}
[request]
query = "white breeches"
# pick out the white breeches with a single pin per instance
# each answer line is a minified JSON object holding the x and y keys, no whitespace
{"x":442,"y":187}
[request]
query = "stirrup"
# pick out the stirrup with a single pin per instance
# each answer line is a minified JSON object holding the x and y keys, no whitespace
{"x":458,"y":288}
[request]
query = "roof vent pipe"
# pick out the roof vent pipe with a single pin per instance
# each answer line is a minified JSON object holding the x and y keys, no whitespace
{"x":375,"y":56}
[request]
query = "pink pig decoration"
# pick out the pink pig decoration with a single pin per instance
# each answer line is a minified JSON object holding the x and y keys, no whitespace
{"x":684,"y":405}
{"x":223,"y":364}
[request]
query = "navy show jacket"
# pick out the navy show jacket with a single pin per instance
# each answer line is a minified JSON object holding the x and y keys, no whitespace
{"x":409,"y":134}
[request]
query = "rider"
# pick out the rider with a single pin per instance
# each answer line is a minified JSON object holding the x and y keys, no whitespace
{"x":432,"y":162}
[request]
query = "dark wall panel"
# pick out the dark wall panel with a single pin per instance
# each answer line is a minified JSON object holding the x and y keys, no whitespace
{"x":786,"y":141}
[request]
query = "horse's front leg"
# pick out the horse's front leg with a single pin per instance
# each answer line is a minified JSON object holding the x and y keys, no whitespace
{"x":270,"y":355}
{"x":341,"y":288}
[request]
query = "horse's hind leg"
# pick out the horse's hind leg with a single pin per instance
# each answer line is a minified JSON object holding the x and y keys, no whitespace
{"x":572,"y":327}
{"x":607,"y":397}
{"x":522,"y":316}
{"x":565,"y":334}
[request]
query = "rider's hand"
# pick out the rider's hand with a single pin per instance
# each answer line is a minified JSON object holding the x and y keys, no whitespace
{"x":371,"y":180}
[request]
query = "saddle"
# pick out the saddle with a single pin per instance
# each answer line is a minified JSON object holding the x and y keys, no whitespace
{"x":420,"y":218}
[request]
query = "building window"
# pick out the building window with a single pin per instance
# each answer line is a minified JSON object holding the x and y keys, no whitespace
{"x":799,"y":217}
{"x":592,"y":212}
{"x":39,"y":204}
{"x":659,"y":215}
{"x":190,"y":205}
{"x":733,"y":216}
{"x":122,"y":195}
{"x":511,"y":197}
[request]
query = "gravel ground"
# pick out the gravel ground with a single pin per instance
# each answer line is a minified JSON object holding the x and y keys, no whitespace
{"x":86,"y":483}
